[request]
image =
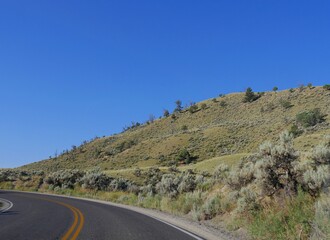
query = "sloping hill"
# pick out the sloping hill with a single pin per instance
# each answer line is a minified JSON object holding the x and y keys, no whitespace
{"x":225,"y":126}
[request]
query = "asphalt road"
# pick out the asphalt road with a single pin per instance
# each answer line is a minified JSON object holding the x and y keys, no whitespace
{"x":47,"y":217}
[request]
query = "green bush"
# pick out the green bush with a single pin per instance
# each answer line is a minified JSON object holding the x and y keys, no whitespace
{"x":310,"y":118}
{"x":250,"y":96}
{"x":326,"y":86}
{"x":184,"y":155}
{"x":295,"y":131}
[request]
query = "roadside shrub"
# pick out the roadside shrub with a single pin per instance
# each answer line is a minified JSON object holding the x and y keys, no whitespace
{"x":242,"y":176}
{"x":310,"y":118}
{"x":95,"y":180}
{"x":186,"y":182}
{"x":64,"y":178}
{"x":8,"y":175}
{"x":276,"y":167}
{"x":168,"y":185}
{"x":211,"y":207}
{"x":119,"y":184}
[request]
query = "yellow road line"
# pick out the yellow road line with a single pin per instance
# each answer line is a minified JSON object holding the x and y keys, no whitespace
{"x":81,"y":224}
{"x":77,"y":214}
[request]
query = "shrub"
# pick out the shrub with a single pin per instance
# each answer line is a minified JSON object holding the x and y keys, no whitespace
{"x":276,"y":166}
{"x":95,"y":180}
{"x":193,"y":108}
{"x":310,"y":85}
{"x":184,"y":128}
{"x":250,"y":96}
{"x":295,"y":131}
{"x":326,"y":86}
{"x":203,"y":106}
{"x":321,"y":153}
{"x":178,"y":107}
{"x":186,"y":182}
{"x":221,"y":172}
{"x":316,"y":180}
{"x":168,"y":185}
{"x":184,"y":155}
{"x":214,"y":100}
{"x":211,"y":207}
{"x":223,"y":103}
{"x":310,"y":118}
{"x":64,"y":178}
{"x":275,"y":89}
{"x":285,"y":104}
{"x":166,"y":113}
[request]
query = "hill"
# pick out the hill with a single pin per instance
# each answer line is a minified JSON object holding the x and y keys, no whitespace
{"x":210,"y":131}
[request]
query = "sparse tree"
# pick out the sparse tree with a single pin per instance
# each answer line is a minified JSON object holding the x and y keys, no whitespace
{"x":275,"y":89}
{"x":250,"y":96}
{"x":166,"y":113}
{"x":178,"y":107}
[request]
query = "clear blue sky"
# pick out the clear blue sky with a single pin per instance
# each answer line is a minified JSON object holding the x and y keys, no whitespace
{"x":72,"y":70}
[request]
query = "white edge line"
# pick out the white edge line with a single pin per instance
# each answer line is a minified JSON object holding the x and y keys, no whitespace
{"x":7,"y":202}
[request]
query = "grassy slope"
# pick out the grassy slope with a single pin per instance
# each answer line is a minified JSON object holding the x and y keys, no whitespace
{"x":215,"y":134}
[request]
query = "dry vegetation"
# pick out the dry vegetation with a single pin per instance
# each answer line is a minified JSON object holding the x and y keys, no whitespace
{"x":258,"y":166}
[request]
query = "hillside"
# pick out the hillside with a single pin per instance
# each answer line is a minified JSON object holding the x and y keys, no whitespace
{"x":219,"y":127}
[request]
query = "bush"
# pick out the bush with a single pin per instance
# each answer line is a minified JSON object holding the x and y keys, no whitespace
{"x":193,"y":108}
{"x":250,"y":96}
{"x":223,"y":103}
{"x":310,"y":118}
{"x":178,"y":107}
{"x":276,"y":166}
{"x":321,"y":153}
{"x":221,"y":172}
{"x":275,"y":89}
{"x":184,"y":155}
{"x":166,"y":113}
{"x":285,"y":104}
{"x":203,"y":106}
{"x":316,"y":180}
{"x":295,"y":131}
{"x":326,"y":86}
{"x":184,"y":128}
{"x":64,"y":178}
{"x":95,"y":180}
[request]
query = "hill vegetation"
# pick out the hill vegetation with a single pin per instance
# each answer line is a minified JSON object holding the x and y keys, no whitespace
{"x":255,"y":163}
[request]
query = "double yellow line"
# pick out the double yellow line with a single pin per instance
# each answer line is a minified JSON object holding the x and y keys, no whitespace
{"x":78,"y":220}
{"x":77,"y":225}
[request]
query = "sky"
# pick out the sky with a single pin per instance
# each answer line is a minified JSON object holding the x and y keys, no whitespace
{"x":73,"y":70}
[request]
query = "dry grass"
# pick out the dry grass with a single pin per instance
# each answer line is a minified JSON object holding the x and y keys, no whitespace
{"x":212,"y":133}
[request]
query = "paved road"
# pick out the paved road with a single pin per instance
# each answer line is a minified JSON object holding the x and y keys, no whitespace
{"x":46,"y":217}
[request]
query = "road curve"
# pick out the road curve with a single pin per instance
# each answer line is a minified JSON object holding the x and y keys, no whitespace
{"x":49,"y":217}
